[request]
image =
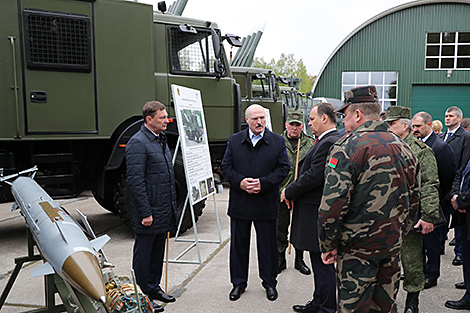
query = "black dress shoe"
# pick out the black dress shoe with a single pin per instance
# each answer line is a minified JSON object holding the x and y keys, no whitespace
{"x":271,"y":293}
{"x":236,"y":292}
{"x":457,"y":260}
{"x":161,"y":296}
{"x":428,"y":283}
{"x":308,"y":308}
{"x":156,"y":307}
{"x":452,"y":242}
{"x":302,"y":267}
{"x":458,"y":305}
{"x":460,"y":285}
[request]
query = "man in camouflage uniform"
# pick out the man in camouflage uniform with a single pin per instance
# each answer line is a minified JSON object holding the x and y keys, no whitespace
{"x":371,"y":188}
{"x":399,"y":120}
{"x":295,"y":138}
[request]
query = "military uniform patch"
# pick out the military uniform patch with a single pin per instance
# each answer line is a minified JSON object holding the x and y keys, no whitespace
{"x":333,"y":161}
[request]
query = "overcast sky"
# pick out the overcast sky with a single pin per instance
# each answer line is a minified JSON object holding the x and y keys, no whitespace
{"x":309,"y":29}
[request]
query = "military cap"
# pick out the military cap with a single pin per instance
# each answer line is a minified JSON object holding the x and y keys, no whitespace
{"x":294,"y":116}
{"x":396,"y":112}
{"x":359,"y":95}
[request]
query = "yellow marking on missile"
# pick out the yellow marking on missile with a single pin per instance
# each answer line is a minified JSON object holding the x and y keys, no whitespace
{"x":51,"y":212}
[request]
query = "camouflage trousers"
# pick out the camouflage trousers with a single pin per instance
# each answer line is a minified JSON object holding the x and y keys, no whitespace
{"x":368,"y":285}
{"x":283,"y":221}
{"x":412,"y":261}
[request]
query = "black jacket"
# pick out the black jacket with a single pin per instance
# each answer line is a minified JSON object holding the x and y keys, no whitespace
{"x":151,"y":181}
{"x":460,"y":144}
{"x":267,"y":161}
{"x":445,"y":158}
{"x":307,"y":191}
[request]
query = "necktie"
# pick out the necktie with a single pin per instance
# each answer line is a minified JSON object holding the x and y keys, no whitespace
{"x":315,"y":142}
{"x":449,"y":134}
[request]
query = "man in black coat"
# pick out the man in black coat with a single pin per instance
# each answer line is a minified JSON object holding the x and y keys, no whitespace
{"x":153,"y":199}
{"x":459,"y":140}
{"x":461,"y":203}
{"x":254,"y":164}
{"x":307,"y":191}
{"x":445,"y":165}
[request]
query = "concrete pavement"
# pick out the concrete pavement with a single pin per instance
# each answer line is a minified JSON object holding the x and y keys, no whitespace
{"x":198,"y":287}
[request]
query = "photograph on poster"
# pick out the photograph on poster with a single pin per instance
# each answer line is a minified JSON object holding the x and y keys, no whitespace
{"x":194,"y":144}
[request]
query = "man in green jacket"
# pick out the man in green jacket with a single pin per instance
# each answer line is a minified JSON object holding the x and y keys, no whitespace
{"x":399,"y":120}
{"x":297,"y":142}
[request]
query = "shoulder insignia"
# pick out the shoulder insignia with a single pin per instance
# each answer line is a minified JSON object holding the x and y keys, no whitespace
{"x":332,"y":162}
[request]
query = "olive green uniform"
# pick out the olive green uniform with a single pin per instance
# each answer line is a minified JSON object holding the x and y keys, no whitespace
{"x":411,"y":251}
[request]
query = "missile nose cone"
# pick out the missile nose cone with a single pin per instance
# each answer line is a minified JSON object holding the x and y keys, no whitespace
{"x":81,"y":270}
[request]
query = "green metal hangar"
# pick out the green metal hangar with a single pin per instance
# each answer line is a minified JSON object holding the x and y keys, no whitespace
{"x":417,"y":54}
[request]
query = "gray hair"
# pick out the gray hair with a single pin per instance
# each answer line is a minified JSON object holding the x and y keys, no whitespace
{"x":408,"y":121}
{"x":456,"y":110}
{"x":247,"y":111}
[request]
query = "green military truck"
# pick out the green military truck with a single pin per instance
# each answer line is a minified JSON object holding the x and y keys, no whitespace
{"x":259,"y":86}
{"x":75,"y":75}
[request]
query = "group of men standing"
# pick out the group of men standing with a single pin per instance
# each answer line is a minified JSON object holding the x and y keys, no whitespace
{"x":360,"y":201}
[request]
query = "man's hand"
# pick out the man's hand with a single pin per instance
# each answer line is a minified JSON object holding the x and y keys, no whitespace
{"x":330,"y":257}
{"x":426,"y":227}
{"x":250,"y":185}
{"x":147,"y":221}
{"x":289,"y":203}
{"x":455,"y":204}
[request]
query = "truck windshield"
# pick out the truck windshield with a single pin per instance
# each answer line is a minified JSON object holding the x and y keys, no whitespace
{"x":261,"y":87}
{"x":192,"y":53}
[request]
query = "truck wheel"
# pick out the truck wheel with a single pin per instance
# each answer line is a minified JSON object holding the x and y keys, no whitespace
{"x":181,"y":193}
{"x":122,"y":199}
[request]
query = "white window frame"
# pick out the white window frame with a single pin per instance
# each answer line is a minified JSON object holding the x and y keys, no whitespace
{"x":440,"y":45}
{"x":384,"y":102}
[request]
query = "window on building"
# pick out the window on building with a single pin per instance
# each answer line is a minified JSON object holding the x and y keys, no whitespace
{"x":448,"y":51}
{"x":385,"y":82}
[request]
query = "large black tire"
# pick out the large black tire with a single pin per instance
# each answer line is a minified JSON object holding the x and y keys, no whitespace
{"x":122,"y":197}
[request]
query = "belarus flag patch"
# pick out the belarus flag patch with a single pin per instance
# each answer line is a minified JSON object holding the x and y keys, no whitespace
{"x":333,"y":161}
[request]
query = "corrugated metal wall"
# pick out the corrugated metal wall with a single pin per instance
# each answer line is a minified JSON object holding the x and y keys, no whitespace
{"x":397,"y":42}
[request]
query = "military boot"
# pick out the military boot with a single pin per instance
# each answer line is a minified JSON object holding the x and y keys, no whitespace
{"x":412,"y":302}
{"x":300,"y":264}
{"x":281,"y":262}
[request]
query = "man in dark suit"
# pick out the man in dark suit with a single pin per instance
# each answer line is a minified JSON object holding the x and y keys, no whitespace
{"x":254,"y":164}
{"x":307,"y":190}
{"x":459,"y":140}
{"x":445,"y":164}
{"x":461,"y":203}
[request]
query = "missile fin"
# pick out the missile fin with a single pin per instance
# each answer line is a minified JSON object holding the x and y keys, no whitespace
{"x":15,"y":207}
{"x":43,"y":270}
{"x":99,"y":242}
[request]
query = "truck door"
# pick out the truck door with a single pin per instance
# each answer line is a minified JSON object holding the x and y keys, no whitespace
{"x":58,"y":75}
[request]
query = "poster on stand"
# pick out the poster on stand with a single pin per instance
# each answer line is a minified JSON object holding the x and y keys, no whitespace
{"x":194,"y":143}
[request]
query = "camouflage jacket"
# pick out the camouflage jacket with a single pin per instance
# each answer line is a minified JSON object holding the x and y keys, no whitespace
{"x":306,"y":143}
{"x":371,"y":187}
{"x":429,"y":193}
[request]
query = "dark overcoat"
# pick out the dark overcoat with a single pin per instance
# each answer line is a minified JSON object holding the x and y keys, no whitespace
{"x":151,"y":181}
{"x":460,"y":144}
{"x":267,"y":161}
{"x":307,"y":191}
{"x":446,"y":165}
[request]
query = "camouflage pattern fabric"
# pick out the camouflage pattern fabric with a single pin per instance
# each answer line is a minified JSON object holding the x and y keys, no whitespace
{"x":411,"y":250}
{"x":283,"y":219}
{"x":371,"y":187}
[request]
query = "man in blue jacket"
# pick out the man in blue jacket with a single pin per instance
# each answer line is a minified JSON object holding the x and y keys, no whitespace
{"x":153,"y":199}
{"x":255,"y":163}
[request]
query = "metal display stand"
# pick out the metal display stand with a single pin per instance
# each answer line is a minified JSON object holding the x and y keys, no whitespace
{"x":49,"y":287}
{"x":195,"y":241}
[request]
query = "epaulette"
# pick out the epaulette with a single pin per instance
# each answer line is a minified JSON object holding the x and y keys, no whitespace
{"x":343,"y":139}
{"x":421,"y":144}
